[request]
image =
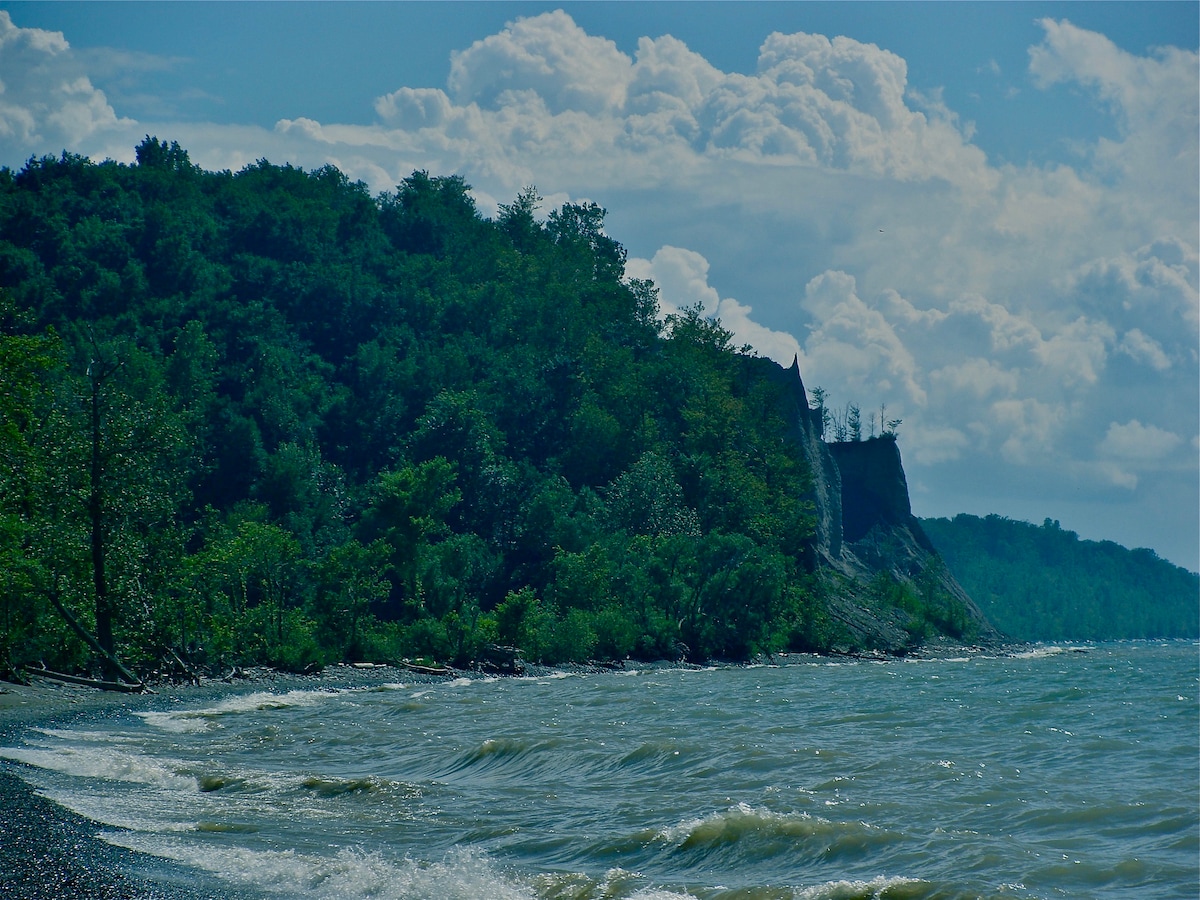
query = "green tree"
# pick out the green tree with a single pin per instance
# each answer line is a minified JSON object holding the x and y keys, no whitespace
{"x":408,"y":510}
{"x":351,"y":579}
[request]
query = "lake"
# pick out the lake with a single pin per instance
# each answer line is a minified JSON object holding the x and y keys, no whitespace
{"x":1052,"y":772}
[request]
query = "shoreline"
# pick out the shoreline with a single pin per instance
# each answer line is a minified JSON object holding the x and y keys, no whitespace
{"x":45,"y":701}
{"x":50,"y":852}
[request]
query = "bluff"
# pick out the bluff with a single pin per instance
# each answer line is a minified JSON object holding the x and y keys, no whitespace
{"x":886,"y":584}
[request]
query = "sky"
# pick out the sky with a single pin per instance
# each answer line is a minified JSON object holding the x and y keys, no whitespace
{"x":985,"y":216}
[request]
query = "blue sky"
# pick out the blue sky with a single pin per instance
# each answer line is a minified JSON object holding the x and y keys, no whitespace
{"x":984,"y":215}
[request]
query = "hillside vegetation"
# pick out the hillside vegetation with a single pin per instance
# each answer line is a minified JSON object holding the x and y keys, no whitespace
{"x":269,"y":417}
{"x":1042,"y":583}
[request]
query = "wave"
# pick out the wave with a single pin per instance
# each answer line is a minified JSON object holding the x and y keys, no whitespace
{"x":512,"y":756}
{"x":340,"y":787}
{"x":754,"y":834}
{"x":462,"y":874}
{"x":196,"y":720}
{"x":1044,"y":650}
{"x":654,"y":756}
{"x":104,"y":764}
{"x":882,"y":888}
{"x":346,"y":875}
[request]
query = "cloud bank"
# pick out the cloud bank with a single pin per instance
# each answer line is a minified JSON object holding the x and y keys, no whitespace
{"x":1039,"y":323}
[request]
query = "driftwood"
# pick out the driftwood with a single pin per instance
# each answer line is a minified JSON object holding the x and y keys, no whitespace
{"x":90,"y":639}
{"x":426,"y":670}
{"x":180,"y":666}
{"x":89,"y":682}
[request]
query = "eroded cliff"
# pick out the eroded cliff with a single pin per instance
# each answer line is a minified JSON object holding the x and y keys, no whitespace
{"x":886,"y":586}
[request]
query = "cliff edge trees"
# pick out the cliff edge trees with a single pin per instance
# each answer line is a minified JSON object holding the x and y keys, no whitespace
{"x":339,"y":426}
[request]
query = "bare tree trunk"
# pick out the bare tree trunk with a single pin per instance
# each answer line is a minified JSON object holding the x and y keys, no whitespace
{"x":104,"y":630}
{"x":88,"y":638}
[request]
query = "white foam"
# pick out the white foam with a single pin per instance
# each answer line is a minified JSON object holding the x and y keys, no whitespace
{"x":1039,"y":652}
{"x":176,"y":723}
{"x":346,"y":875}
{"x":743,"y":816}
{"x":854,"y":890}
{"x":112,"y":765}
{"x":129,"y":813}
{"x":192,"y":720}
{"x":94,"y":737}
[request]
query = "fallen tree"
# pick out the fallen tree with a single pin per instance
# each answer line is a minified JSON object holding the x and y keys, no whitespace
{"x":132,"y":683}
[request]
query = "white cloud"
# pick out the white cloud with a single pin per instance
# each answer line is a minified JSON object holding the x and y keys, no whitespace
{"x":854,"y":345}
{"x":935,"y":444}
{"x":548,"y":55}
{"x":1153,"y":98}
{"x":1077,"y":353}
{"x":1154,"y":289}
{"x":977,"y":378}
{"x":1138,"y":442}
{"x":542,"y":95}
{"x":412,"y":109}
{"x":681,"y":277}
{"x":1031,"y":427}
{"x":47,"y":102}
{"x":1144,"y":349}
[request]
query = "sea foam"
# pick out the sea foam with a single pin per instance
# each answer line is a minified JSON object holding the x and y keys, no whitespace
{"x":347,"y":875}
{"x":196,"y":720}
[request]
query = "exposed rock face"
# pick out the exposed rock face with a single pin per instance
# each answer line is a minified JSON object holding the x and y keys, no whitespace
{"x":874,"y":489}
{"x":867,"y":536}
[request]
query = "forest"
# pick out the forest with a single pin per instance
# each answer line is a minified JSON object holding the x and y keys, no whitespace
{"x":1042,"y":583}
{"x":268,"y":417}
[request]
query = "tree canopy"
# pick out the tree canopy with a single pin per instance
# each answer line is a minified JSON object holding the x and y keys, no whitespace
{"x":266,"y":416}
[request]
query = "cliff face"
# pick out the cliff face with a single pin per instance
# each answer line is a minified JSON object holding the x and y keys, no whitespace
{"x":887,"y":585}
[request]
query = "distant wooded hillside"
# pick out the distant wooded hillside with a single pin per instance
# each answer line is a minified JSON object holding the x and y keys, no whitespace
{"x":1042,"y":583}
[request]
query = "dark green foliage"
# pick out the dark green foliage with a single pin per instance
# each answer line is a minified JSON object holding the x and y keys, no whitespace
{"x":336,"y":426}
{"x":930,"y":610}
{"x":1044,"y":583}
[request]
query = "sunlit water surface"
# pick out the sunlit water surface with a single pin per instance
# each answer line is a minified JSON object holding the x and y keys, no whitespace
{"x":1059,"y":772}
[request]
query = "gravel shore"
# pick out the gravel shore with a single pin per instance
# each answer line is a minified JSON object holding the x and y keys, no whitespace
{"x":50,"y":853}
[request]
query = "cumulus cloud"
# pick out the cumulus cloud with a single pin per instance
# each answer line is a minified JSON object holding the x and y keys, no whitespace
{"x":1135,"y":441}
{"x":542,"y":95}
{"x":681,"y":277}
{"x":548,"y":55}
{"x":47,"y":101}
{"x":855,"y":344}
{"x":975,"y":376}
{"x":1154,"y":99}
{"x":1144,"y":349}
{"x":1153,"y":291}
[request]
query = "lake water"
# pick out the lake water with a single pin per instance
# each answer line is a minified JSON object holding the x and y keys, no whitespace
{"x":1057,"y":772}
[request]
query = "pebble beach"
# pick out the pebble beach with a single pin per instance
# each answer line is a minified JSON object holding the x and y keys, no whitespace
{"x":50,"y":853}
